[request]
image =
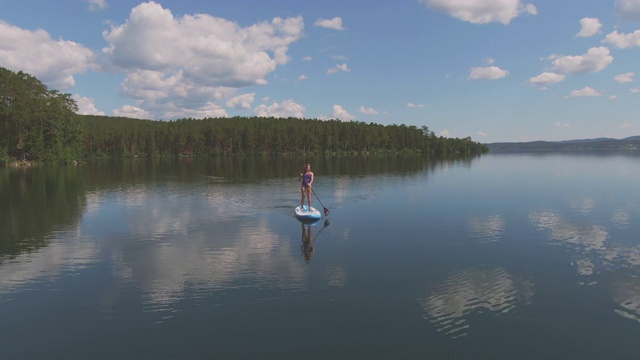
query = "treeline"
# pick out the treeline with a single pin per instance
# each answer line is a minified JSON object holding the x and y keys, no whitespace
{"x":114,"y":136}
{"x":630,"y":143}
{"x":38,"y":124}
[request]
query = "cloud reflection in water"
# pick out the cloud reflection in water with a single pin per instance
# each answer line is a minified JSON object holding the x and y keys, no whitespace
{"x":467,"y":291}
{"x":488,"y":228}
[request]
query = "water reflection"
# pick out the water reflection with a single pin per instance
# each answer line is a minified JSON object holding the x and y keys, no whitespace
{"x":588,"y":235}
{"x":307,"y":247}
{"x":450,"y":304}
{"x":35,"y":202}
{"x":192,"y":256}
{"x":626,"y":293}
{"x":487,"y":228}
{"x":621,"y":219}
{"x":597,"y":250}
{"x":66,"y":253}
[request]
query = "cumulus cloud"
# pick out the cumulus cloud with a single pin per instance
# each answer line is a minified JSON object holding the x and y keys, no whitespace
{"x":243,"y":101}
{"x":86,"y":105}
{"x":482,"y":11}
{"x":132,"y":112}
{"x":307,"y":58}
{"x":368,"y":111}
{"x":623,"y":41}
{"x":531,"y":9}
{"x":185,"y":64}
{"x":487,"y":73}
{"x":635,"y":90}
{"x":482,"y":133}
{"x":594,"y":60}
{"x":338,"y":68}
{"x":586,"y":91}
{"x":341,"y":113}
{"x":628,"y":10}
{"x":97,"y":5}
{"x":445,"y":133}
{"x":613,"y":97}
{"x":546,"y":78}
{"x":625,"y":125}
{"x":589,"y":27}
{"x":338,"y":113}
{"x":562,"y":124}
{"x":302,"y":77}
{"x":412,"y":105}
{"x":287,"y":108}
{"x":335,"y":23}
{"x":624,"y":78}
{"x":54,"y":62}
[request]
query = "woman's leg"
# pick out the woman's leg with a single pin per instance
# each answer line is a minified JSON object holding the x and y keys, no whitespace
{"x":309,"y":196}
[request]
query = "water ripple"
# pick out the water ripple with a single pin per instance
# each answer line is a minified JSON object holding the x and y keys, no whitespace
{"x":449,"y":305}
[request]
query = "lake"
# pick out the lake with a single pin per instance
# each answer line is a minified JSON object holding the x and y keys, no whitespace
{"x":505,"y":256}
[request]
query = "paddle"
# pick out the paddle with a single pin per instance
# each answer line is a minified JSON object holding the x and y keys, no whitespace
{"x":326,"y":223}
{"x":326,"y":211}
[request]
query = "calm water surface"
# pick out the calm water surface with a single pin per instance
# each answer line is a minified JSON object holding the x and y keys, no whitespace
{"x":500,"y":257}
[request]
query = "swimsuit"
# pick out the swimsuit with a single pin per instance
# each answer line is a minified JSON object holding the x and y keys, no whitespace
{"x":306,"y":178}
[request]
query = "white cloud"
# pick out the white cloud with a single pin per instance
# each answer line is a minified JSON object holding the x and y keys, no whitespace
{"x":445,"y":133}
{"x":487,"y":73}
{"x":183,"y":65}
{"x":563,"y":125}
{"x":613,"y":97}
{"x":307,"y":58}
{"x":531,"y":9}
{"x":302,"y":77}
{"x":635,"y":90}
{"x":412,"y":105}
{"x":287,"y":108}
{"x":624,"y":78}
{"x":335,"y":23}
{"x":586,"y":91}
{"x":482,"y":133}
{"x":625,"y":125}
{"x":54,"y":62}
{"x":369,"y":111}
{"x":243,"y":101}
{"x":589,"y":27}
{"x":546,"y":78}
{"x":482,"y":11}
{"x":628,"y":10}
{"x":623,"y":41}
{"x":338,"y":68}
{"x":341,"y":113}
{"x":97,"y":5}
{"x":132,"y":112}
{"x":86,"y":105}
{"x":594,"y":60}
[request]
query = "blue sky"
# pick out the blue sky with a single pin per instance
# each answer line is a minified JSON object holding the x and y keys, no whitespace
{"x":494,"y":70}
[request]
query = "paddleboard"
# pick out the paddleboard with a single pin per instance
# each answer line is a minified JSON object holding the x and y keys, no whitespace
{"x":304,"y":213}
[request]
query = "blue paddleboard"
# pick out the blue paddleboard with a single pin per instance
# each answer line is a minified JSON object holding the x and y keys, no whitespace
{"x":304,"y":213}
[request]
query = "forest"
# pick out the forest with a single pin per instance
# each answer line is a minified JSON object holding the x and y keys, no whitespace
{"x":42,"y":125}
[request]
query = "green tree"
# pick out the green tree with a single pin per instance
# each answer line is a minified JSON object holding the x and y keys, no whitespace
{"x":38,"y":123}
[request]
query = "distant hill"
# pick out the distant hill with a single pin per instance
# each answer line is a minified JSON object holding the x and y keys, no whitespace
{"x":630,"y":143}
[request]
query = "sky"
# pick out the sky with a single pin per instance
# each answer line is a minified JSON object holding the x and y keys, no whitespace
{"x":494,"y":70}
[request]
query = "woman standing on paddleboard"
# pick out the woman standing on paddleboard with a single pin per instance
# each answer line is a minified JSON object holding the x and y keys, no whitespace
{"x":307,"y":181}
